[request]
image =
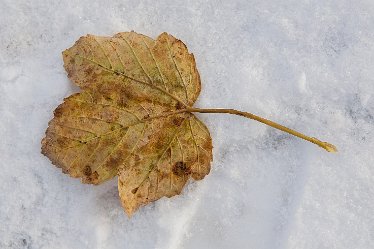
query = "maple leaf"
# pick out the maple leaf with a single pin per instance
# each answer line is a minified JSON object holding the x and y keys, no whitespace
{"x":134,"y":117}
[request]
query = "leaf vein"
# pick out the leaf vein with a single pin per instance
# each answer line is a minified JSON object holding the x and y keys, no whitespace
{"x":103,"y":50}
{"x":176,"y":67}
{"x":131,"y":78}
{"x":158,"y":68}
{"x":136,"y":57}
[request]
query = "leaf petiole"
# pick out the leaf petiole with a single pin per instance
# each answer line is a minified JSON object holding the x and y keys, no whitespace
{"x":327,"y":146}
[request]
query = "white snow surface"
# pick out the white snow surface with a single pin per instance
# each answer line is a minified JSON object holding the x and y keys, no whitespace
{"x":306,"y":64}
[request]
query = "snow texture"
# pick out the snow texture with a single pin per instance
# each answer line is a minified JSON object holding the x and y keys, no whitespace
{"x":306,"y":64}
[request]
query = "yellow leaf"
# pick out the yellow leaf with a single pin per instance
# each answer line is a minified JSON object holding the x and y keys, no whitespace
{"x":130,"y":118}
{"x":134,"y":117}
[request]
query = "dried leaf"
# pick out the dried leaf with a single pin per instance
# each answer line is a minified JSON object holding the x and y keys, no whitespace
{"x":134,"y":117}
{"x":129,"y":119}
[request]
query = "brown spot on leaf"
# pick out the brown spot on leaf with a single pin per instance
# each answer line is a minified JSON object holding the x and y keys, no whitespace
{"x":93,"y":178}
{"x":180,"y":169}
{"x":113,"y":162}
{"x":87,"y":170}
{"x":178,"y":121}
{"x":133,"y":191}
{"x":123,"y":99}
{"x":179,"y":106}
{"x":168,"y":152}
{"x":88,"y":70}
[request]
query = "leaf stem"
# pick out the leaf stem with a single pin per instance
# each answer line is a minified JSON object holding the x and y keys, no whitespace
{"x":327,"y":146}
{"x":164,"y":114}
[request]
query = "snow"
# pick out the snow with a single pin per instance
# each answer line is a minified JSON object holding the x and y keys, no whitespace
{"x":306,"y":64}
